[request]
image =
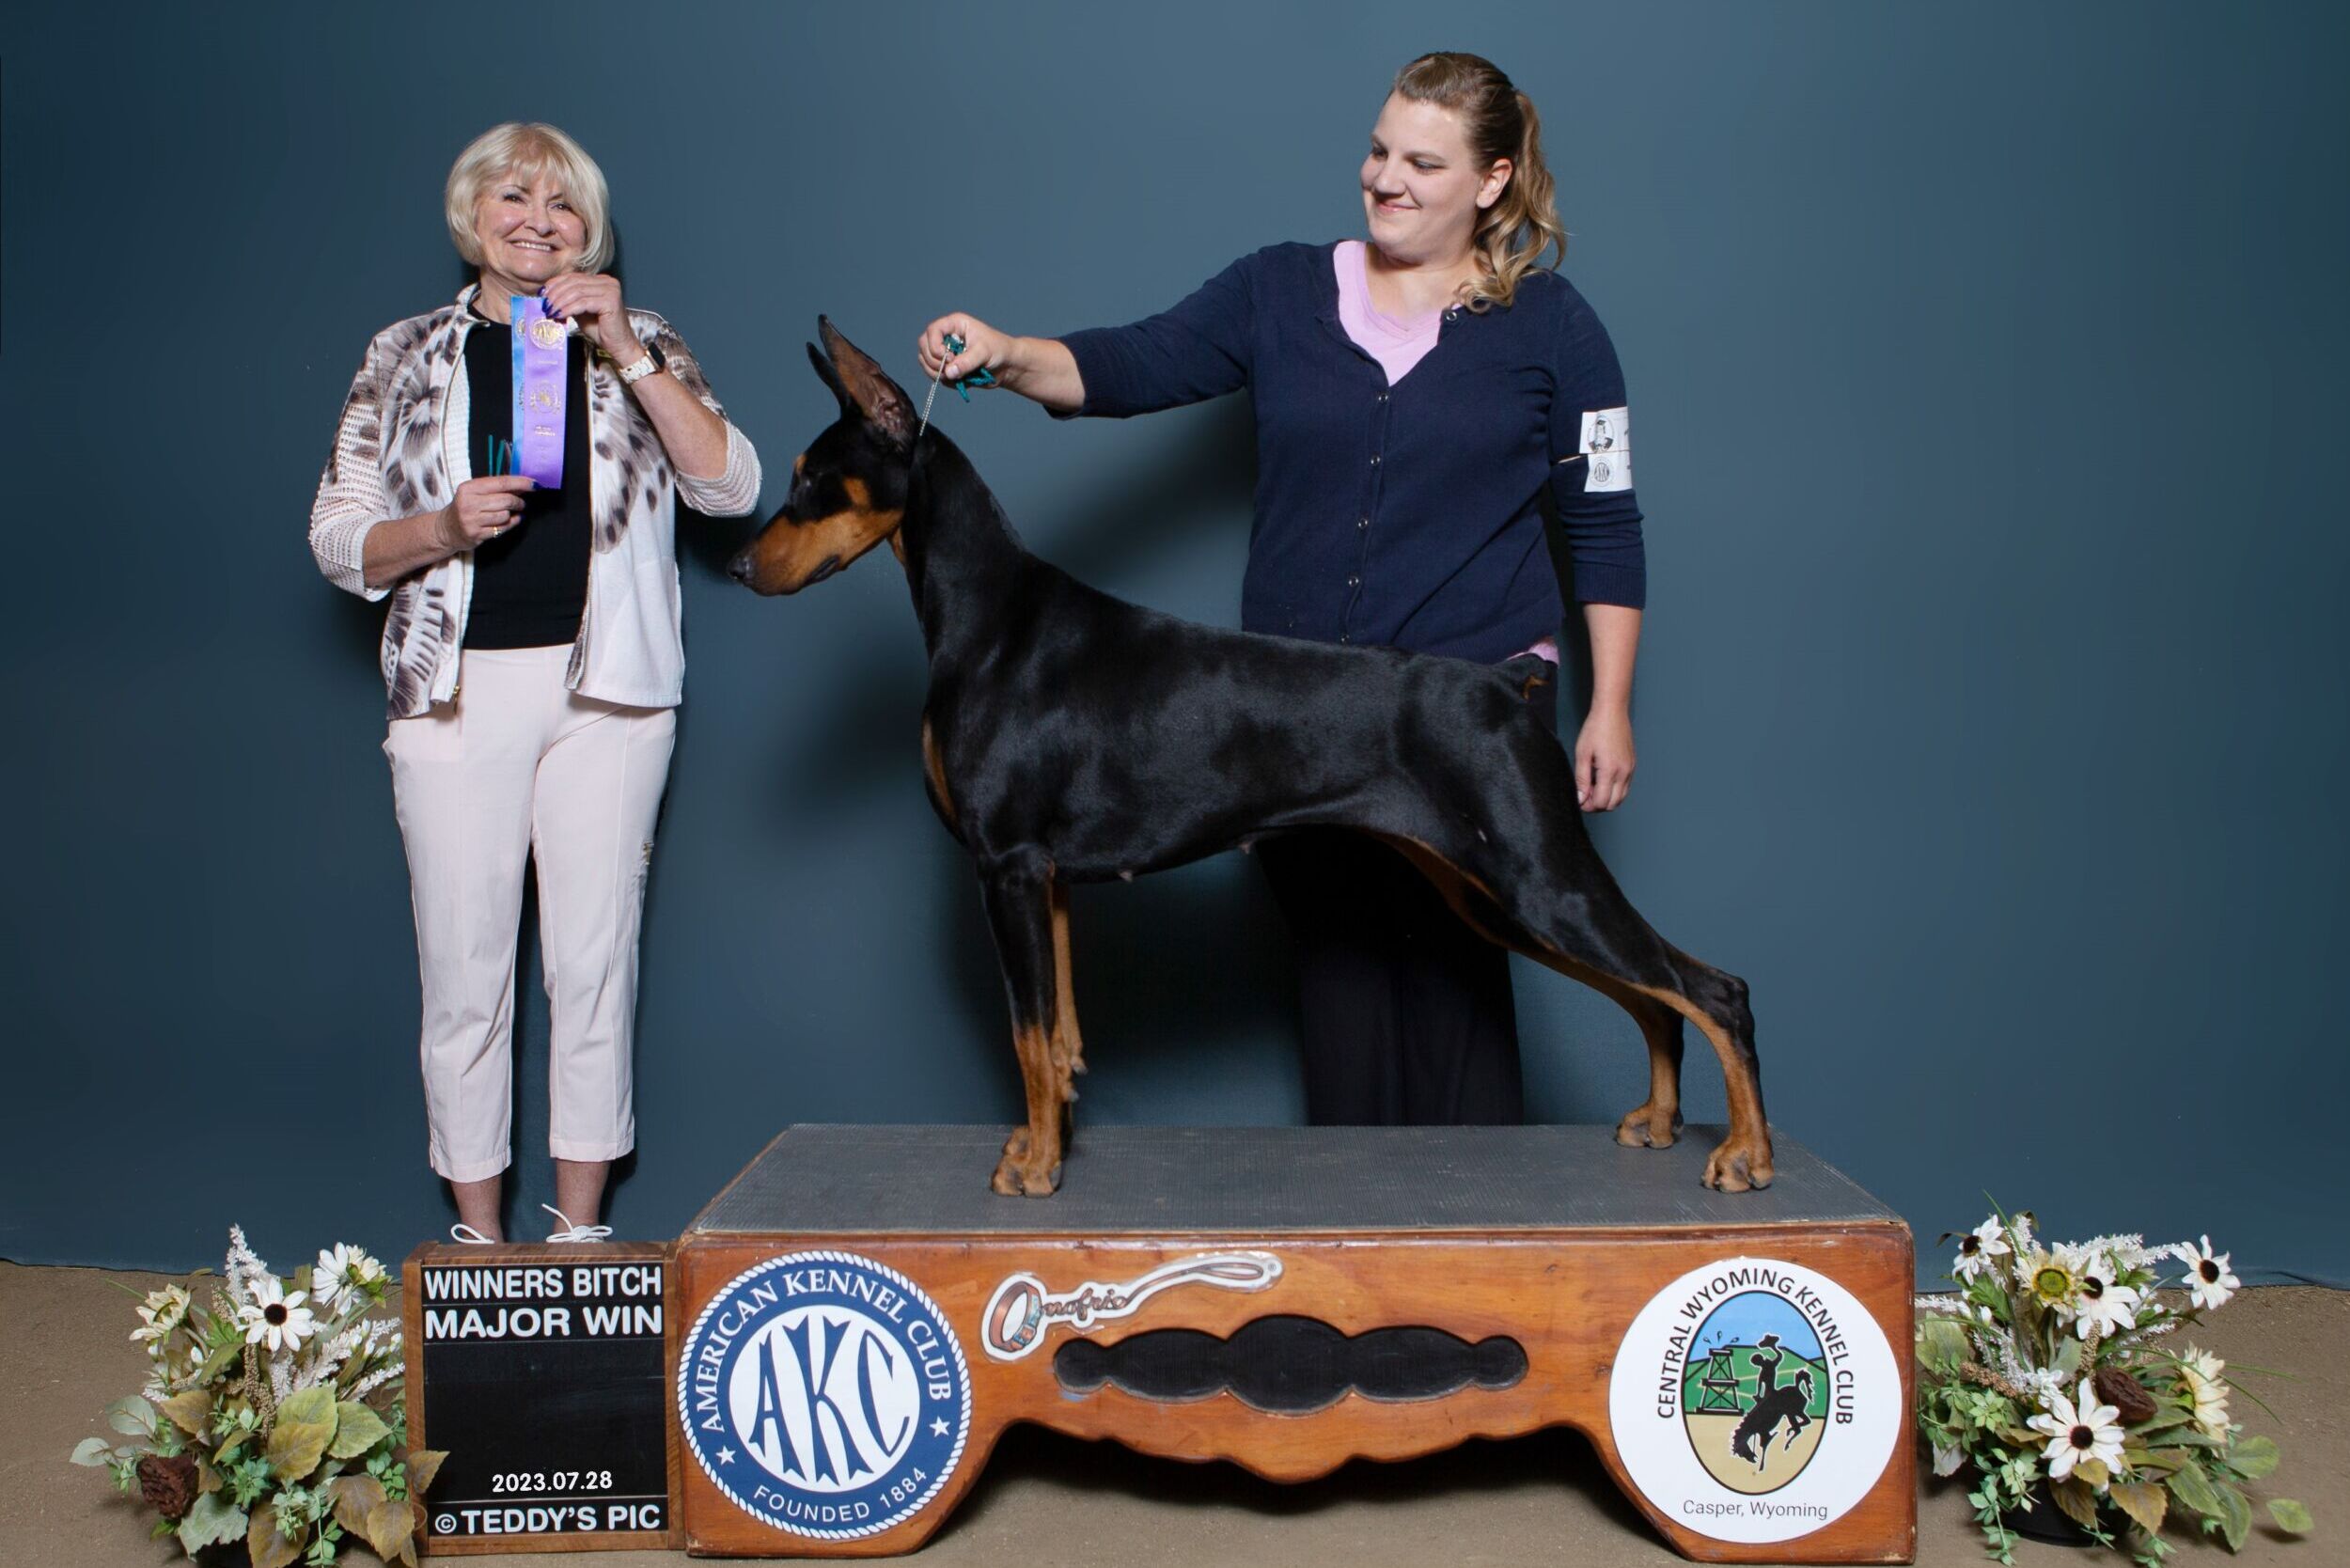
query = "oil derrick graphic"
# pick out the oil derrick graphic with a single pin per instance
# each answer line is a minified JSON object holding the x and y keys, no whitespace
{"x":1717,"y":1385}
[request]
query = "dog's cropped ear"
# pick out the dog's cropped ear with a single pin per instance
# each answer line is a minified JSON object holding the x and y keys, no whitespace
{"x":867,"y":387}
{"x":830,"y":377}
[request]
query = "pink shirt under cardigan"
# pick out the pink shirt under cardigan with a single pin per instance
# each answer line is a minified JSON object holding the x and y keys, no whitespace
{"x":1397,"y":343}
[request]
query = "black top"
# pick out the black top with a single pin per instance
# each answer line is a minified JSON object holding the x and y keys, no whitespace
{"x":530,"y":583}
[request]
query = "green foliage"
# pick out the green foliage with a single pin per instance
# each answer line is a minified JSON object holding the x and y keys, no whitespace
{"x":210,"y":1522}
{"x":357,"y":1429}
{"x":2292,"y":1518}
{"x":285,"y":1399}
{"x":2046,"y":1333}
{"x":248,"y":1480}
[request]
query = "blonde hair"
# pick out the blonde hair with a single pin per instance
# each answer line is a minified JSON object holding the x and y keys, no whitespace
{"x":524,"y":152}
{"x":1514,"y":232}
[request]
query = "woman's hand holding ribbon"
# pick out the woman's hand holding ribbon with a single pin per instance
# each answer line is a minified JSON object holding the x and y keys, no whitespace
{"x":593,"y":300}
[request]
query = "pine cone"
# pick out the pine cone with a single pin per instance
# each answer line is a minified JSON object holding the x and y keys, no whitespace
{"x":2125,"y":1393}
{"x":168,"y":1484}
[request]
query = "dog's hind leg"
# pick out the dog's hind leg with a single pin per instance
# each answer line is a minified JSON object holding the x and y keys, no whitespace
{"x":1018,"y":892}
{"x":1717,"y":1004}
{"x":1610,"y":948}
{"x":1655,"y":1122}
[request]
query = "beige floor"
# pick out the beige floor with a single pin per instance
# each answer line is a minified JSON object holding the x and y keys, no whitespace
{"x":65,"y":1353}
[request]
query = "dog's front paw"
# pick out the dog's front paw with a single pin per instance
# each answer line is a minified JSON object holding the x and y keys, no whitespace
{"x":1015,"y":1179}
{"x":1644,"y":1128}
{"x":1018,"y":1175}
{"x":1739,"y":1165}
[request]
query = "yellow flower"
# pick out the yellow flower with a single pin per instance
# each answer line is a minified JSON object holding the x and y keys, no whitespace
{"x":164,"y":1311}
{"x":2199,"y":1371}
{"x":2053,"y":1279}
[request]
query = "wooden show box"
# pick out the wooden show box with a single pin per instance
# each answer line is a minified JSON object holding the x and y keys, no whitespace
{"x":860,"y":1319}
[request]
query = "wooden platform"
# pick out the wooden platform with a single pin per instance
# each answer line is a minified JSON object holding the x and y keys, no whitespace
{"x":860,"y":1318}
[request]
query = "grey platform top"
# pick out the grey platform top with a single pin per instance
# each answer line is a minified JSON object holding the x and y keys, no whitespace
{"x":1156,"y":1181}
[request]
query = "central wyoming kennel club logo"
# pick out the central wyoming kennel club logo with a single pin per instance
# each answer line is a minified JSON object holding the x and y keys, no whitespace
{"x":1755,"y":1399}
{"x":825,"y":1394}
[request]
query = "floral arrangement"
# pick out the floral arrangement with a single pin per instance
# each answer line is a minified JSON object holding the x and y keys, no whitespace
{"x":272,"y":1414}
{"x":2044,"y":1368}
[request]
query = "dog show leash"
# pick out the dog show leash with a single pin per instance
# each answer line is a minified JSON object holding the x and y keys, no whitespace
{"x":976,"y":378}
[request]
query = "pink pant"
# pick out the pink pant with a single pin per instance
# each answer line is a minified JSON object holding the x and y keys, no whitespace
{"x":518,"y":764}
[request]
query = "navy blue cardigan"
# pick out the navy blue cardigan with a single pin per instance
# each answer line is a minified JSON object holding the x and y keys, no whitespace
{"x":1405,"y":514}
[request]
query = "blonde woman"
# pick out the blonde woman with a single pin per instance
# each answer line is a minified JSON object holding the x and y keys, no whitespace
{"x":532,"y":647}
{"x":1415,"y":393}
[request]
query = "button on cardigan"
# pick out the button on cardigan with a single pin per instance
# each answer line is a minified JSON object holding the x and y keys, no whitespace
{"x":1410,"y":513}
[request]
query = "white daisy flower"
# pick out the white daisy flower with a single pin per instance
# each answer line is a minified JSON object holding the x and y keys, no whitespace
{"x":273,"y":1318}
{"x":2074,"y":1433}
{"x":344,"y":1271}
{"x":2105,"y":1304}
{"x":2207,"y":1278}
{"x":1979,"y":1247}
{"x":2200,"y":1371}
{"x":166,"y":1311}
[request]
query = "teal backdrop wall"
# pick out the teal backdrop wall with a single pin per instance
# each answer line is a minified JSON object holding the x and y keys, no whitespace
{"x":1988,"y":367}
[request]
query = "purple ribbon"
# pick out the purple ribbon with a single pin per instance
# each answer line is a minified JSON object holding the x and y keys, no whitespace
{"x":540,"y":354}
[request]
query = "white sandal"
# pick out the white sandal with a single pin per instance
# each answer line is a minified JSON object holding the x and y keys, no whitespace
{"x":575,"y":1232}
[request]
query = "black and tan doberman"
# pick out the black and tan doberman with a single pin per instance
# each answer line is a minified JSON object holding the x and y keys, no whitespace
{"x":1071,"y":737}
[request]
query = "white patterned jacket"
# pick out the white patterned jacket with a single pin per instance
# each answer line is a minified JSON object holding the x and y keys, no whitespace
{"x":401,"y":449}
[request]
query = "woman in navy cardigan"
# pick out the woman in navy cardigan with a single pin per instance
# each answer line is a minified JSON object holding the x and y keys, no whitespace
{"x":1415,"y":396}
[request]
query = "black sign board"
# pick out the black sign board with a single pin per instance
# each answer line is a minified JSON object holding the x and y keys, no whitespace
{"x":542,"y":1372}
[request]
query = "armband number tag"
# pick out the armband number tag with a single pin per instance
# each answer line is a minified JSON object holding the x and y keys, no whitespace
{"x":1608,"y":446}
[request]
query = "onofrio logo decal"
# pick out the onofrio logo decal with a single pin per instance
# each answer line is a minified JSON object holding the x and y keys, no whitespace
{"x":1755,"y":1399}
{"x":825,"y":1394}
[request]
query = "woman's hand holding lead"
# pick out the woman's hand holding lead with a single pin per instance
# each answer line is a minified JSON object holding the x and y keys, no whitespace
{"x":983,"y":347}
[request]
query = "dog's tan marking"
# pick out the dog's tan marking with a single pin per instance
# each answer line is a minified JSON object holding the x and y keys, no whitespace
{"x":935,"y":770}
{"x":1068,"y":1052}
{"x":786,"y":554}
{"x":1743,"y":1159}
{"x":1032,"y":1164}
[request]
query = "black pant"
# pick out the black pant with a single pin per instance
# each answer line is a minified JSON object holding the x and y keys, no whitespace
{"x":1408,"y":1015}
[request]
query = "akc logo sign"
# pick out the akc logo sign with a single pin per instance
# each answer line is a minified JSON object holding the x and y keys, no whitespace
{"x":1755,"y":1399}
{"x":825,"y":1394}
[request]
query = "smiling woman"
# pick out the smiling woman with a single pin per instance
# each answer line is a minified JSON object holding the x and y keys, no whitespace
{"x":1417,"y":392}
{"x":507,"y":471}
